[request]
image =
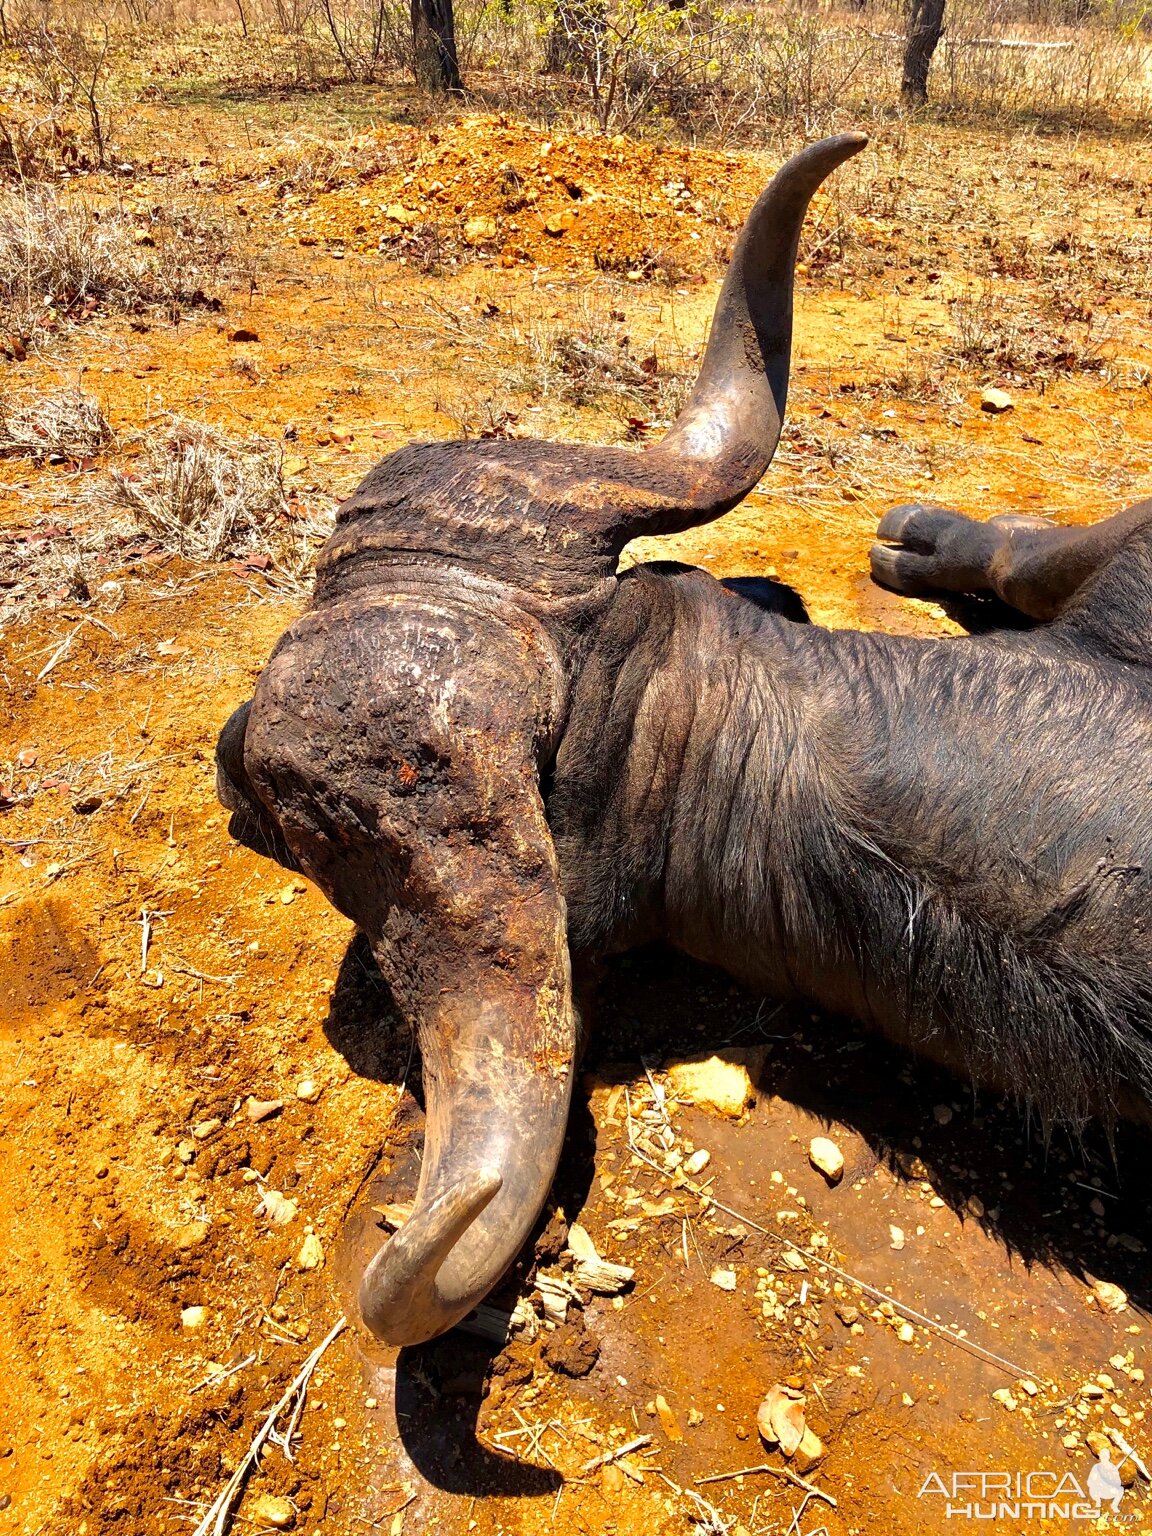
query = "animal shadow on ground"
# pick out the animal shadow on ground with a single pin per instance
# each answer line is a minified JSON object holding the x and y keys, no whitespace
{"x":1036,"y":1192}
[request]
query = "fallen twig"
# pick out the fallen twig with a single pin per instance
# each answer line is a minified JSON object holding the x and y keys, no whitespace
{"x":1129,"y":1453}
{"x":218,"y":1518}
{"x":214,"y":1378}
{"x":786,"y":1472}
{"x":621,"y":1450}
{"x":60,"y":652}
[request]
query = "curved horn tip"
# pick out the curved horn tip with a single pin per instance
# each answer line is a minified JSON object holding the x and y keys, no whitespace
{"x":832,"y":151}
{"x":400,"y":1301}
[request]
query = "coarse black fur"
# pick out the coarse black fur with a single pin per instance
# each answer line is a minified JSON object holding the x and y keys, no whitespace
{"x":948,"y":840}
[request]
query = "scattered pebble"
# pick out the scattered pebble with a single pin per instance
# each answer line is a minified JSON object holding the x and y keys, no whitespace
{"x":697,"y":1161}
{"x":722,"y":1082}
{"x":1006,"y":1399}
{"x":311,"y":1254}
{"x":479,"y":229}
{"x":996,"y":401}
{"x":193,"y":1317}
{"x":278,"y":1209}
{"x":1109,"y":1297}
{"x":262,"y":1109}
{"x":668,"y":1420}
{"x":190,"y":1236}
{"x":896,"y":1237}
{"x":943,"y":1114}
{"x":268,"y":1510}
{"x":206,"y":1128}
{"x":906,"y":1333}
{"x":827,"y":1158}
{"x":723,"y":1279}
{"x":308,"y":1091}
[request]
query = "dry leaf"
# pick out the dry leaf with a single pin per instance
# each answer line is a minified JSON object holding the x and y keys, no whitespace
{"x":780,"y":1419}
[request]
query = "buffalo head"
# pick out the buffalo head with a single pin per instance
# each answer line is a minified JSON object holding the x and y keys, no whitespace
{"x":394,"y":749}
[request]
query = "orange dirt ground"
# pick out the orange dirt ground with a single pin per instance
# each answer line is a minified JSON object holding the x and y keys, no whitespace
{"x":132,"y":1172}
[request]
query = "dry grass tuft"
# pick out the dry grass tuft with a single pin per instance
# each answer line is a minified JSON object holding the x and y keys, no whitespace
{"x":200,"y":492}
{"x":34,"y":147}
{"x":591,"y":363}
{"x":62,"y":259}
{"x":993,"y":339}
{"x":64,"y":423}
{"x":203,"y":494}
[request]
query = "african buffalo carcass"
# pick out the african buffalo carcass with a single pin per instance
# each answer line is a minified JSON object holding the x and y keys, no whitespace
{"x":500,"y":759}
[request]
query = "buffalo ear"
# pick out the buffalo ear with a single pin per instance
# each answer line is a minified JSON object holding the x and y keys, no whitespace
{"x":232,"y":787}
{"x":251,"y":823}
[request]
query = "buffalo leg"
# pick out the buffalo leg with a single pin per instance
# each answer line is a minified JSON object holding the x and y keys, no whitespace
{"x":1027,"y":562}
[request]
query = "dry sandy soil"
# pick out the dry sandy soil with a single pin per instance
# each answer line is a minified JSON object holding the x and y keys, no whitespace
{"x":154,"y":976}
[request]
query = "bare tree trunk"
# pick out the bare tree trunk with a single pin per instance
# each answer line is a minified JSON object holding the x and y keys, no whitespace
{"x":434,"y":46}
{"x":925,"y":24}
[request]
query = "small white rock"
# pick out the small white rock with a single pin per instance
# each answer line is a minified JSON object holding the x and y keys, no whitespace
{"x":896,"y":1236}
{"x":308,"y":1091}
{"x":943,"y":1114}
{"x":277,"y":1207}
{"x":698,"y":1161}
{"x":266,"y":1510}
{"x":723,"y":1082}
{"x":193,"y":1317}
{"x":996,"y":401}
{"x":1109,"y":1297}
{"x":262,"y":1109}
{"x":723,"y":1279}
{"x":311,"y":1254}
{"x":827,"y":1158}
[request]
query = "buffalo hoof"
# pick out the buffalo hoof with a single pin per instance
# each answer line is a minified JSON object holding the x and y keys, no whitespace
{"x":927,"y":549}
